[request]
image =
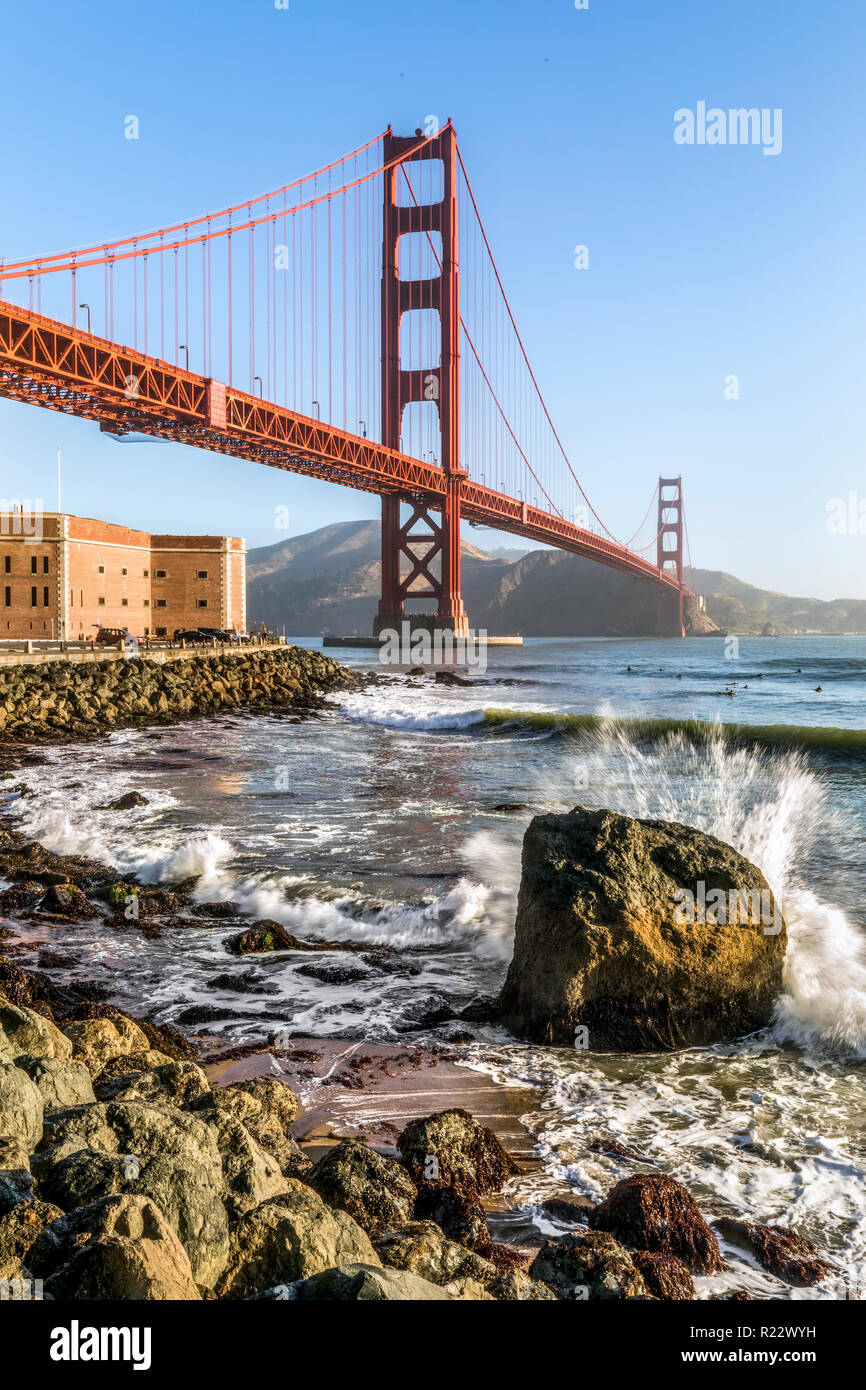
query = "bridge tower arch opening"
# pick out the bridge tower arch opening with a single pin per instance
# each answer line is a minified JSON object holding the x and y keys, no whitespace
{"x":421,"y":555}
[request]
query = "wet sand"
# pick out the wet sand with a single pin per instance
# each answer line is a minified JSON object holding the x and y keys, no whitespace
{"x":371,"y":1091}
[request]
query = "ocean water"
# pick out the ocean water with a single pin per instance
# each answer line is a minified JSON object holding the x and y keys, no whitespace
{"x":396,"y":819}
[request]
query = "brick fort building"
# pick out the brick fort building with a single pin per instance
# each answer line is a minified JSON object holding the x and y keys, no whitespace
{"x":63,"y":577}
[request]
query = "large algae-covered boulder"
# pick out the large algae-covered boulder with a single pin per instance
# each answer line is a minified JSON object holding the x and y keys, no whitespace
{"x":645,"y":934}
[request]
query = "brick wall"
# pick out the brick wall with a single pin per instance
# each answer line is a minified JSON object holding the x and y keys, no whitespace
{"x":29,"y":596}
{"x":92,"y":573}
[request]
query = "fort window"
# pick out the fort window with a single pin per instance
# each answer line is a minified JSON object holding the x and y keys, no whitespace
{"x":33,"y":597}
{"x":101,"y":602}
{"x":124,"y":570}
{"x":201,"y":603}
{"x":124,"y":603}
{"x":8,"y":564}
{"x":44,"y":564}
{"x":45,"y":599}
{"x":159,"y":574}
{"x":32,"y":564}
{"x":100,"y":569}
{"x":8,"y":598}
{"x":201,"y":574}
{"x":159,"y":603}
{"x":161,"y":632}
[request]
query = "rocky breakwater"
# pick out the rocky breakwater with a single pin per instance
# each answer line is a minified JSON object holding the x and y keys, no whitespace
{"x":60,"y":699}
{"x":645,"y":934}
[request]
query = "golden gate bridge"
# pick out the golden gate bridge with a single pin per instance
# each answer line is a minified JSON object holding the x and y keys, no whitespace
{"x":351,"y":326}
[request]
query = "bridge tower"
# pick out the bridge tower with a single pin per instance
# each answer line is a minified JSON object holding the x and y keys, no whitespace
{"x":423,"y":539}
{"x":670,"y":555}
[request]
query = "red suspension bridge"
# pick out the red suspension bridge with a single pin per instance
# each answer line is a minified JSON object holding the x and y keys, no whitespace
{"x":351,"y":326}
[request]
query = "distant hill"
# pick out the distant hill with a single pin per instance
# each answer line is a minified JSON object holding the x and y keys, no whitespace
{"x":328,"y":581}
{"x":742,"y":608}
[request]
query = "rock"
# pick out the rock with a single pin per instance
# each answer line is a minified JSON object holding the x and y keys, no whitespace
{"x":17,"y":986}
{"x":171,"y":1042}
{"x":335,"y":972}
{"x":117,"y":1248}
{"x":603,"y":941}
{"x":260,"y":937}
{"x":169,"y":1083}
{"x":147,"y":1150}
{"x":62,"y":1084}
{"x":266,"y":1108}
{"x":19,"y":1229}
{"x":126,"y":803}
{"x":364,"y":1283}
{"x":288,"y":1238}
{"x":276,"y":1099}
{"x":574,"y":1211}
{"x":665,"y":1276}
{"x":779,"y":1250}
{"x":451,"y":678}
{"x":67,"y":901}
{"x":127,"y":1064}
{"x":452,"y":1149}
{"x":376,"y":1191}
{"x":587,"y":1265}
{"x":22,"y":1031}
{"x":21,"y":1108}
{"x":242,"y":984}
{"x":422,"y":1248}
{"x":516,"y":1286}
{"x":460,"y":1216}
{"x":651,"y":1211}
{"x":16,"y":1180}
{"x":96,"y":1040}
{"x":468,"y":1290}
{"x":250,"y":1175}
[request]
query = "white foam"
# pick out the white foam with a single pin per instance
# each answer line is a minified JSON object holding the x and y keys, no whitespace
{"x":398,"y":710}
{"x":453,"y":917}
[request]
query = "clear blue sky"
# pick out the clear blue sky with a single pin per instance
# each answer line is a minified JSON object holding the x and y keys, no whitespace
{"x":704,"y":261}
